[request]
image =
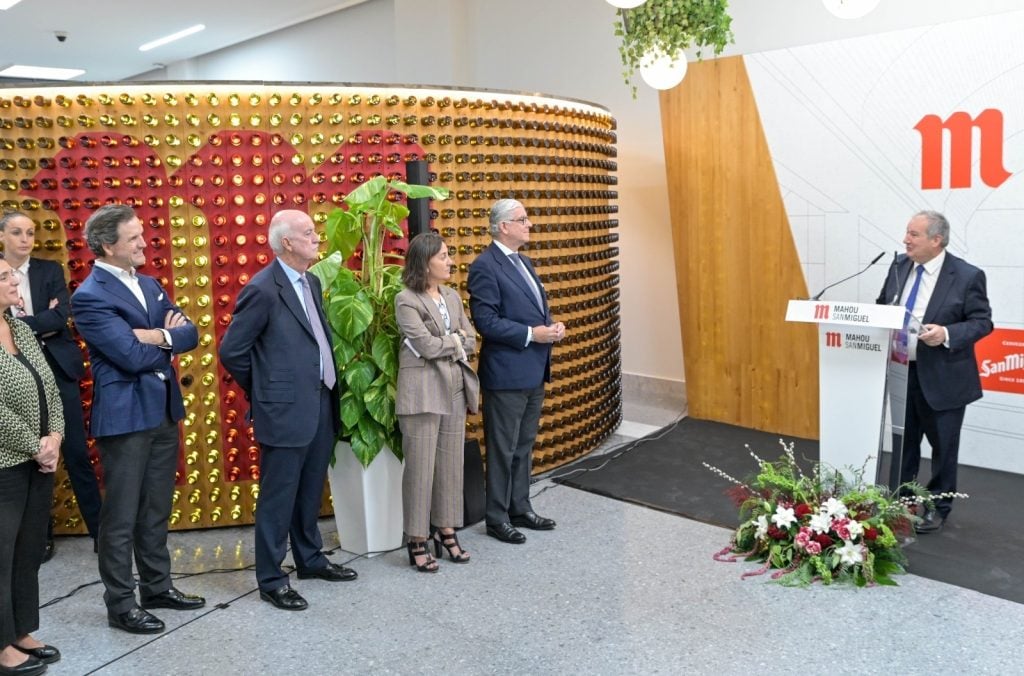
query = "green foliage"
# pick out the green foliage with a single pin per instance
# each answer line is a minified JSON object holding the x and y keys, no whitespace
{"x":668,"y":27}
{"x":360,"y":307}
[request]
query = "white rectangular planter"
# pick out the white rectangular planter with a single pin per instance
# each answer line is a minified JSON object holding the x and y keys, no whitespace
{"x":367,"y":501}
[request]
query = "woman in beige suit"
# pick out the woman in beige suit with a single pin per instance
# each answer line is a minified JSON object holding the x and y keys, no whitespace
{"x":436,"y":385}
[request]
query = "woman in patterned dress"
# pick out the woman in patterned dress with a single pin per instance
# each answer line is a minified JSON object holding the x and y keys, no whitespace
{"x":31,"y":431}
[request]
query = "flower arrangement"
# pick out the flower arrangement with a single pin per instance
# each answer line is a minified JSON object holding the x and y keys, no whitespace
{"x":821,"y":525}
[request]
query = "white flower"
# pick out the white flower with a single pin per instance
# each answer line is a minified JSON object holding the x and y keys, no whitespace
{"x":850,"y":553}
{"x":783,"y":517}
{"x":762,"y":527}
{"x":834,"y":507}
{"x":856,"y":529}
{"x":820,"y":522}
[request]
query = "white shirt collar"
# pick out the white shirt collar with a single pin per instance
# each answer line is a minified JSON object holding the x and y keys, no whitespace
{"x":120,"y":273}
{"x":504,"y":249}
{"x":934,"y":265}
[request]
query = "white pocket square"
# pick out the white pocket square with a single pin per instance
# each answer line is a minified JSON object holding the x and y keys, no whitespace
{"x":160,"y":297}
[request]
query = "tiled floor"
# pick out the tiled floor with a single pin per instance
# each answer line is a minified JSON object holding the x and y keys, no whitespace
{"x":615,"y":589}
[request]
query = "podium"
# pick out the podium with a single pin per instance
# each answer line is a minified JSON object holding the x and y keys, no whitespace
{"x":858,"y":354}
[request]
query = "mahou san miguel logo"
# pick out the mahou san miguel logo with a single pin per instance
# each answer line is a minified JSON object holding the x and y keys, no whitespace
{"x":961,"y":126}
{"x":833,"y":339}
{"x":1001,"y":361}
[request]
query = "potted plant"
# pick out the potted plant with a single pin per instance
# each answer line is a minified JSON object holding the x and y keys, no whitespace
{"x":366,"y":478}
{"x":667,"y":27}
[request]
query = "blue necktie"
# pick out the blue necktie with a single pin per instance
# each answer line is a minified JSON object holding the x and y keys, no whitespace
{"x":913,"y":294}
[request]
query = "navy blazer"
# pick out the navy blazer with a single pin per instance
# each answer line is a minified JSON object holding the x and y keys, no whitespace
{"x":503,"y":308}
{"x":948,"y":376}
{"x":46,"y":283}
{"x":128,"y":395}
{"x":270,"y":351}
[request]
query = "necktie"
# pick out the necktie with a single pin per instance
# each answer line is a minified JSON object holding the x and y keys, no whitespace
{"x":912,"y":298}
{"x":521,"y":267}
{"x":326,"y":360}
{"x":19,"y":311}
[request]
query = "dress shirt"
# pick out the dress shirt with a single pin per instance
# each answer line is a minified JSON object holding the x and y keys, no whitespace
{"x":131,"y":280}
{"x":508,"y":252}
{"x":24,"y":289}
{"x":924,"y":295}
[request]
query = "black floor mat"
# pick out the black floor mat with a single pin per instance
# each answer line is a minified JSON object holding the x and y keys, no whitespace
{"x":980,"y":548}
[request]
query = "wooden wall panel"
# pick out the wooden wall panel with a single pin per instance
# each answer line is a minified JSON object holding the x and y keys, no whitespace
{"x":736,"y":264}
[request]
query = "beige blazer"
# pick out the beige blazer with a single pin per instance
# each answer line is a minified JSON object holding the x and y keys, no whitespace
{"x":424,"y":381}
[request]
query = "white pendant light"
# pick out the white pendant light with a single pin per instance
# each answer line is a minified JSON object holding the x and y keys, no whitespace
{"x":850,"y":9}
{"x":661,"y":71}
{"x":626,"y":4}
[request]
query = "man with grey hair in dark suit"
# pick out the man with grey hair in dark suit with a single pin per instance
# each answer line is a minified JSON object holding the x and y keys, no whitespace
{"x":947,"y":295}
{"x":510,"y":310}
{"x":278,"y":350}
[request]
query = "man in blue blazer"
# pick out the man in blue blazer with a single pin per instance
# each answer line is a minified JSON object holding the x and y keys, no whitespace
{"x":46,"y":308}
{"x":278,"y":350}
{"x":948,"y":296}
{"x":132,"y":331}
{"x":510,"y":310}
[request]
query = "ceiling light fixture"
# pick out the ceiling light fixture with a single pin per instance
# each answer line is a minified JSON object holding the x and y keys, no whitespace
{"x":171,"y":38}
{"x":40,"y":72}
{"x":7,"y":4}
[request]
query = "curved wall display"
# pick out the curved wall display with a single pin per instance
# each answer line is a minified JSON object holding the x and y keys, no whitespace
{"x":205,"y":165}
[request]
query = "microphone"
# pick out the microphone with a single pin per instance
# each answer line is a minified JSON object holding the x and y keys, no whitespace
{"x":846,"y":279}
{"x":896,"y":270}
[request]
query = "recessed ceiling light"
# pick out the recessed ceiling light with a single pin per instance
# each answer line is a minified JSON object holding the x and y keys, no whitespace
{"x":171,"y":38}
{"x":41,"y":72}
{"x":7,"y":4}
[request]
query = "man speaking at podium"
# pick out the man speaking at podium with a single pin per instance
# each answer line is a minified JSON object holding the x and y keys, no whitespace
{"x":947,"y":295}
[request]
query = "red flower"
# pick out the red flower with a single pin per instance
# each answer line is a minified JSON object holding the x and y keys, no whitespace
{"x":777,"y":533}
{"x":870,"y":533}
{"x":802,"y":510}
{"x":824,"y":540}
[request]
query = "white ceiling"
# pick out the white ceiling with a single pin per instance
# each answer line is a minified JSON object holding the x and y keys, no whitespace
{"x":104,"y":35}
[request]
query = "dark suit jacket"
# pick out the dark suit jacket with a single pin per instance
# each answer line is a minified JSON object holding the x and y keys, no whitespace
{"x":46,"y":282}
{"x":503,"y":308}
{"x":270,"y":351}
{"x":948,"y":376}
{"x":128,"y":395}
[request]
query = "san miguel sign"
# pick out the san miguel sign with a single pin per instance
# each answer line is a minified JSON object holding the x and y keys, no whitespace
{"x":960,"y":127}
{"x":1001,"y":361}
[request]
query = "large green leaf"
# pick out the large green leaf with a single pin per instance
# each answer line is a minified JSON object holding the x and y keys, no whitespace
{"x":352,"y":409}
{"x":344,"y":232}
{"x":390,"y":215}
{"x":385,"y":354}
{"x":421,"y":191}
{"x":344,"y":352}
{"x":350,"y":313}
{"x":327,"y":269}
{"x":363,"y":448}
{"x":367,"y":196}
{"x":379,"y":400}
{"x":358,"y":376}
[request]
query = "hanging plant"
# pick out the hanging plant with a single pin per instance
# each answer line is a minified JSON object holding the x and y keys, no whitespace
{"x":667,"y":27}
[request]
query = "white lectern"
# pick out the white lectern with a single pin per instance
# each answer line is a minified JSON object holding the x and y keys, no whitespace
{"x":855,"y":348}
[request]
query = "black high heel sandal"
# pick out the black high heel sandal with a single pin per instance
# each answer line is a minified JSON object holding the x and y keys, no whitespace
{"x":420,"y":549}
{"x":450,"y":541}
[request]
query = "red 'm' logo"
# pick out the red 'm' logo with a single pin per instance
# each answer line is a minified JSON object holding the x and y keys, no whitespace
{"x":833,"y":339}
{"x":961,"y":129}
{"x":821,"y":311}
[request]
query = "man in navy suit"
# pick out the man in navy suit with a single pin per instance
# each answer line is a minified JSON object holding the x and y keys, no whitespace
{"x":133,"y":330}
{"x":510,"y":310}
{"x":45,"y":307}
{"x":278,"y":350}
{"x":948,"y":296}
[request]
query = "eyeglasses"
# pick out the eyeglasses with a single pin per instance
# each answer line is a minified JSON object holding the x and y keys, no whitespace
{"x":10,"y":274}
{"x":522,"y":220}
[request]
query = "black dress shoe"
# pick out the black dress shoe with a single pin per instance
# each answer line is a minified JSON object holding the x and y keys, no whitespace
{"x":51,"y":548}
{"x":175,"y":600}
{"x":135,"y":621}
{"x":532,"y":520}
{"x":931,"y":522}
{"x":506,"y":533}
{"x":46,"y":653}
{"x":332,"y":572}
{"x":29,"y":667}
{"x":285,"y":598}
